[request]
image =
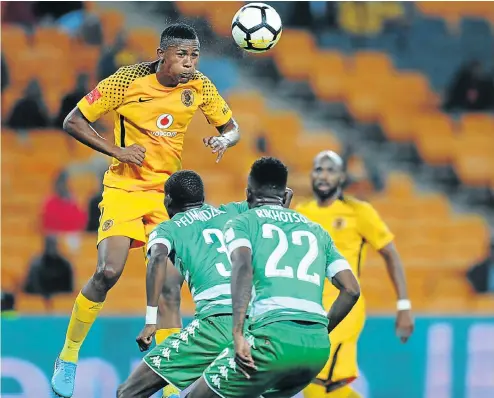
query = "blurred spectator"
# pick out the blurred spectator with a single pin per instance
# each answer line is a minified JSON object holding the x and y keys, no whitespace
{"x":114,"y":57}
{"x":363,"y":175}
{"x":62,"y":215}
{"x":49,"y":11}
{"x":97,"y":165}
{"x":30,"y":111}
{"x":50,"y":273}
{"x":18,"y":12}
{"x":5,"y":74}
{"x":369,"y":18}
{"x":72,"y":22}
{"x":262,"y":145}
{"x":70,"y":100}
{"x":315,"y":15}
{"x":91,"y":31}
{"x":470,"y":90}
{"x":8,"y":302}
{"x":481,"y":275}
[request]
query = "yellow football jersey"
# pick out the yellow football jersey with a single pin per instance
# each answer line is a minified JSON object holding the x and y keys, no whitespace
{"x":153,"y":116}
{"x":353,"y":225}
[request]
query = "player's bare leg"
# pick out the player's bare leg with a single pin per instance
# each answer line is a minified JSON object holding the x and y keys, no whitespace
{"x":201,"y":390}
{"x":112,"y":255}
{"x":170,"y":320}
{"x":142,"y":383}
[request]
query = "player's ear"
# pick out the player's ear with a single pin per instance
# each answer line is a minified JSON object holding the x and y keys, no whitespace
{"x":168,"y":203}
{"x":161,"y":54}
{"x":287,"y":198}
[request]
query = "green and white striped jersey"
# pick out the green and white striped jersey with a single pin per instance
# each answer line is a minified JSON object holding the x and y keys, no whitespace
{"x":291,"y":256}
{"x":196,"y":238}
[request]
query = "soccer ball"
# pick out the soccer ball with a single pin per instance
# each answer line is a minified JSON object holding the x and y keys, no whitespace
{"x":256,"y":27}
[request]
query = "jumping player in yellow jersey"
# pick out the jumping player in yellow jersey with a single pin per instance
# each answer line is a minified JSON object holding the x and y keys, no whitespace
{"x":153,"y":103}
{"x":353,"y":225}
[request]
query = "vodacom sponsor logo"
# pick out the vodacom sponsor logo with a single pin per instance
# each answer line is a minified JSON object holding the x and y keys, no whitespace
{"x":164,"y":121}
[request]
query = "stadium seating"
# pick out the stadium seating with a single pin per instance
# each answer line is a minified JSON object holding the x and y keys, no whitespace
{"x":422,"y":242}
{"x":402,"y":102}
{"x":436,"y":244}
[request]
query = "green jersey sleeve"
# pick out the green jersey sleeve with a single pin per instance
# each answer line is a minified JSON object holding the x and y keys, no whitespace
{"x":233,"y":209}
{"x":161,"y":234}
{"x":335,"y":262}
{"x":237,"y":233}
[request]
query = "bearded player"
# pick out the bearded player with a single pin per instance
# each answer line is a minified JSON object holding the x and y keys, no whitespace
{"x":353,"y":225}
{"x":153,"y":103}
{"x":286,"y":258}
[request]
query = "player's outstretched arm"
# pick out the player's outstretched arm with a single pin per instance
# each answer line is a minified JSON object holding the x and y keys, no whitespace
{"x":169,"y":306}
{"x":79,"y":127}
{"x":404,"y":319}
{"x":242,"y":275}
{"x":349,"y":289}
{"x":241,"y":286}
{"x":229,"y":136}
{"x":155,"y":279}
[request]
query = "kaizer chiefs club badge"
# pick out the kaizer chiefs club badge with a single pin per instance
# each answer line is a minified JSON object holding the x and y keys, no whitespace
{"x":187,"y":97}
{"x":107,"y":225}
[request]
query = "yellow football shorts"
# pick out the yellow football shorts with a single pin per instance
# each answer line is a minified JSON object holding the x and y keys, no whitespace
{"x":342,"y":363}
{"x":132,"y":214}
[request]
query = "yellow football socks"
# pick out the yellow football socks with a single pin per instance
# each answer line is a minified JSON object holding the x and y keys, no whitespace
{"x":314,"y":391}
{"x":318,"y":391}
{"x":162,"y":334}
{"x":344,"y":392}
{"x":83,"y":316}
{"x":170,"y":391}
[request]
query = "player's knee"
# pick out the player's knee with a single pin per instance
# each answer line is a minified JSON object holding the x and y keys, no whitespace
{"x":314,"y":391}
{"x":107,"y":275}
{"x":126,"y":390}
{"x":121,"y":391}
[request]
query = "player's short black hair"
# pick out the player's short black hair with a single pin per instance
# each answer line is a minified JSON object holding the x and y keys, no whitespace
{"x":269,"y":172}
{"x":176,"y":31}
{"x":185,"y":187}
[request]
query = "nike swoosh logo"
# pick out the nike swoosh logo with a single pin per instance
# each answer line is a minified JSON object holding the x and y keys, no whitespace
{"x":145,"y":99}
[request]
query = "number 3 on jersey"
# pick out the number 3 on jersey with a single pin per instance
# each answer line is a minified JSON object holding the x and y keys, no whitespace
{"x":208,"y":238}
{"x":272,"y":269}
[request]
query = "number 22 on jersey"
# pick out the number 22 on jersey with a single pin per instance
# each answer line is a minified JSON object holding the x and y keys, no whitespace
{"x":272,"y":270}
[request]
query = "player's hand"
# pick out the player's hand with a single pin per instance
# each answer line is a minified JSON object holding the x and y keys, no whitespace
{"x":217,"y":145}
{"x":288,"y":198}
{"x":243,"y":358}
{"x":132,"y":154}
{"x":145,"y":338}
{"x":404,"y":325}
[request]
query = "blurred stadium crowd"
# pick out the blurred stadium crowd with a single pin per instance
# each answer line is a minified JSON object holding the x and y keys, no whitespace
{"x":404,"y":91}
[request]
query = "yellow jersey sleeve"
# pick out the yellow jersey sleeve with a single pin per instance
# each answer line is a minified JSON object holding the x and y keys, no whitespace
{"x":372,"y":227}
{"x":213,"y":106}
{"x":107,"y":96}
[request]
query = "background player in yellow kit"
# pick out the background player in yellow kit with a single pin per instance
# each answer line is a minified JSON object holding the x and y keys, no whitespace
{"x":153,"y":103}
{"x":353,"y":225}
